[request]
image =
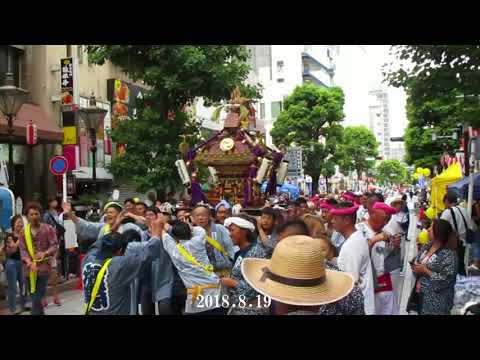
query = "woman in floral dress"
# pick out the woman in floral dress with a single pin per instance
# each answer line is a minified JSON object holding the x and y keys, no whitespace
{"x":436,"y":270}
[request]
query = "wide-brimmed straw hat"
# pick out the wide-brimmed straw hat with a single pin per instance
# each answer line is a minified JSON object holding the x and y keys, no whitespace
{"x":296,"y":274}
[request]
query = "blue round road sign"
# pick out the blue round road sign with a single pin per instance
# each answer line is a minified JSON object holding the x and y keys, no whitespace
{"x":58,"y":165}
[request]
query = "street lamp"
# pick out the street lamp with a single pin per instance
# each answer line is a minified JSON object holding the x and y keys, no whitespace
{"x":92,"y":116}
{"x":11,"y":100}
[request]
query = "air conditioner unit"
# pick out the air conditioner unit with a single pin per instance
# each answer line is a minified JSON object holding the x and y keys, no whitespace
{"x":54,"y":67}
{"x":55,"y":98}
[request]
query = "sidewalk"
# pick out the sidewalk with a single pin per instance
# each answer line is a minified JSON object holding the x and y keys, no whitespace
{"x":410,"y":252}
{"x":66,"y":286}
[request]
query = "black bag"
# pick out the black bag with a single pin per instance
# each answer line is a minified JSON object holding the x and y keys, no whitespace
{"x":406,"y":224}
{"x":413,"y":303}
{"x":393,"y":261}
{"x":470,"y":235}
{"x":59,"y":228}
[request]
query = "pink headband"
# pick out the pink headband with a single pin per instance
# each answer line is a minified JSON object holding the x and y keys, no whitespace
{"x":384,"y":207}
{"x":348,"y":197}
{"x":344,"y":211}
{"x":325,"y":205}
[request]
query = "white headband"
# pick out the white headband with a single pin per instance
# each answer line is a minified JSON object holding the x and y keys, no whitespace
{"x":240,"y":222}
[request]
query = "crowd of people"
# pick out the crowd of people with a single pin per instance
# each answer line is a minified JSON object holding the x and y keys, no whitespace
{"x":329,"y":254}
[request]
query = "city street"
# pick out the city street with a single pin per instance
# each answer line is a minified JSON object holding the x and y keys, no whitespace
{"x":128,"y":166}
{"x":72,"y":304}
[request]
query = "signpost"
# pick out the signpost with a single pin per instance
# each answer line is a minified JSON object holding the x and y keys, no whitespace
{"x":58,"y":166}
{"x":295,"y":164}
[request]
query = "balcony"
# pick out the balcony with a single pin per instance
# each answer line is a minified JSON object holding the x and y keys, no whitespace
{"x":309,"y":77}
{"x":308,"y":57}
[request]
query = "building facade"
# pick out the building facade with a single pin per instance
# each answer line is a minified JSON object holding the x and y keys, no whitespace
{"x":279,"y":69}
{"x":380,"y":120}
{"x":397,"y":151}
{"x":61,"y":132}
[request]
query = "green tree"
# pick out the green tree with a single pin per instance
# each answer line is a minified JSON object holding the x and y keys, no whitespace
{"x":174,"y":75}
{"x":359,"y":143}
{"x":437,"y":70}
{"x":312,"y":119}
{"x":391,"y":171}
{"x":438,"y":116}
{"x":442,"y":84}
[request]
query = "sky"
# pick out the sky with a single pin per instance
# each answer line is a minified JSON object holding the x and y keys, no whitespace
{"x":358,"y":70}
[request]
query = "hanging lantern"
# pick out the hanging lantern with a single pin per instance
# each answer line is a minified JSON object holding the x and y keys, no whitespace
{"x":32,"y":137}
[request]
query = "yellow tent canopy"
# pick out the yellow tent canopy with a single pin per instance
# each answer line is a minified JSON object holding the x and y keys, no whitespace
{"x":439,"y":185}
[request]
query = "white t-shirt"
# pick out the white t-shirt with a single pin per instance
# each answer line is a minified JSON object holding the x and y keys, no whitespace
{"x":361,"y":212}
{"x":462,"y":230}
{"x":377,"y":253}
{"x":393,"y":226}
{"x":354,"y":258}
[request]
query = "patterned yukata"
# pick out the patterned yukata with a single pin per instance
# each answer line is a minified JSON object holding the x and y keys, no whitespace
{"x":437,"y":291}
{"x":255,"y":250}
{"x":221,"y":234}
{"x":352,"y":304}
{"x":270,"y":245}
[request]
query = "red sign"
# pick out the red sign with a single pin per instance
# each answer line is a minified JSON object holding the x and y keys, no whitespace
{"x":58,"y":165}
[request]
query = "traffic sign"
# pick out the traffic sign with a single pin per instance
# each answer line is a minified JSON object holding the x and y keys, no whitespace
{"x":58,"y":165}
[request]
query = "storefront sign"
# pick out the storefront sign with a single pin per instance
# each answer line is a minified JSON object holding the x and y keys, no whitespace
{"x":69,"y":135}
{"x":66,"y":80}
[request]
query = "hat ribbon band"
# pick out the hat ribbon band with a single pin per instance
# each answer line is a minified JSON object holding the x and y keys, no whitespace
{"x":267,"y":274}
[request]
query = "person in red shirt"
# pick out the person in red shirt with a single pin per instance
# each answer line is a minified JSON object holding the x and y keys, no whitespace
{"x":45,"y":245}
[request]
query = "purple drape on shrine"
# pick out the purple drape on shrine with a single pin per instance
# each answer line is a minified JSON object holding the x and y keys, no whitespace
{"x":258,"y":151}
{"x":272,"y":182}
{"x":247,"y":192}
{"x":252,"y":172}
{"x":197,"y":194}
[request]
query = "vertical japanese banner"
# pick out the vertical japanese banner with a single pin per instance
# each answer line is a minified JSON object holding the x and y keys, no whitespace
{"x":66,"y":81}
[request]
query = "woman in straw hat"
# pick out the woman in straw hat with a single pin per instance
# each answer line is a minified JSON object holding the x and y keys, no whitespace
{"x":352,"y":304}
{"x":244,"y":300}
{"x":296,"y":278}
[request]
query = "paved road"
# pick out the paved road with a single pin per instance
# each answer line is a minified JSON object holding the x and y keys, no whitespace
{"x":72,"y":304}
{"x":410,"y":252}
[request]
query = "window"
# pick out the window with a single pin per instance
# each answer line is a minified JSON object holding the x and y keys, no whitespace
{"x":276,"y":108}
{"x":280,"y":66}
{"x":80,"y":54}
{"x":15,"y":63}
{"x":262,"y":110}
{"x":280,"y":80}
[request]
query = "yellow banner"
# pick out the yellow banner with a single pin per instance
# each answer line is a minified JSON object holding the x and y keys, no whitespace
{"x":70,"y":135}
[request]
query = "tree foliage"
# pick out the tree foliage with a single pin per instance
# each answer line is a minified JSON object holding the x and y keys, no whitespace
{"x":359,"y":143}
{"x":311,"y":114}
{"x":443,"y":88}
{"x":438,"y":116}
{"x":174,"y":75}
{"x":437,"y":69}
{"x":391,"y":171}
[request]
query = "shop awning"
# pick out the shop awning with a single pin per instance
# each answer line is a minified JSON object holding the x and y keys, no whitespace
{"x":440,"y":182}
{"x":47,"y":130}
{"x":461,"y":187}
